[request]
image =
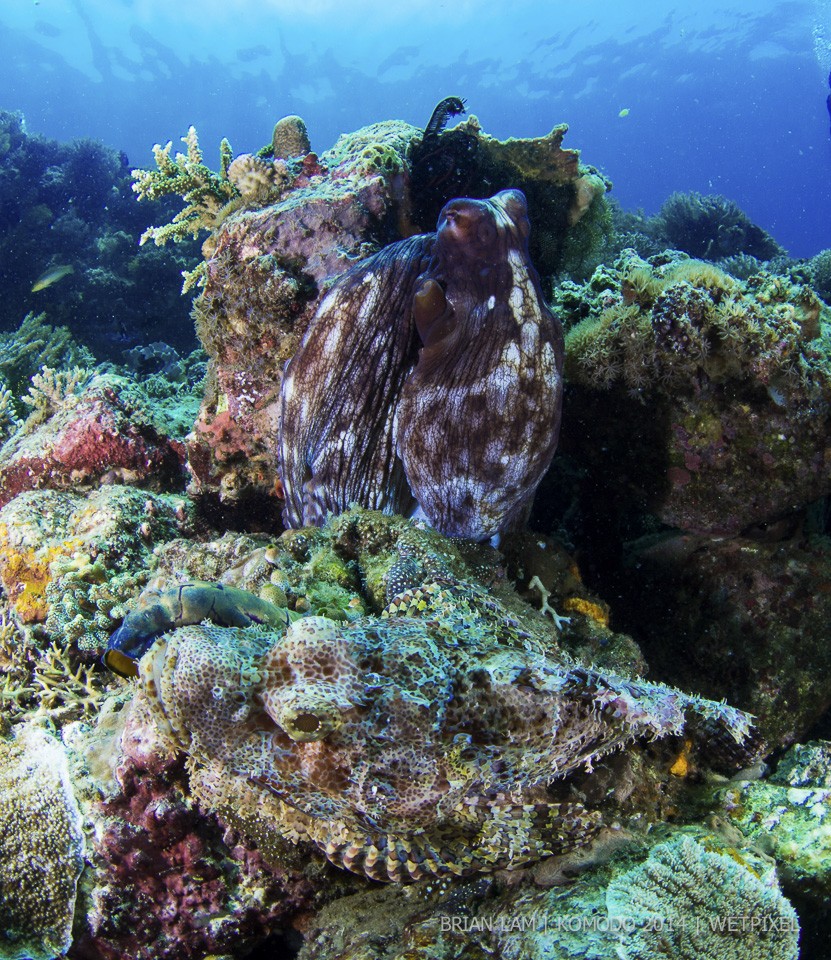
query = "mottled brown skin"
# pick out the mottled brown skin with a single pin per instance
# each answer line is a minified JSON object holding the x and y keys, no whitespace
{"x":342,"y":386}
{"x":431,"y":376}
{"x":479,"y":417}
{"x":417,"y":743}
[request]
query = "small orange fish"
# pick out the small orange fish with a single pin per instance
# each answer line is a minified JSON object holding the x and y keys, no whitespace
{"x":52,"y":275}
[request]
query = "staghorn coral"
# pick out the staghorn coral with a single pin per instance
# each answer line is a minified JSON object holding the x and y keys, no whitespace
{"x":688,"y":903}
{"x":35,"y":345}
{"x":206,"y":194}
{"x":384,"y":433}
{"x":399,"y":750}
{"x":41,"y":846}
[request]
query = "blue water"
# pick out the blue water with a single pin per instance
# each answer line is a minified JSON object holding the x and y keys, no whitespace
{"x":723,"y":98}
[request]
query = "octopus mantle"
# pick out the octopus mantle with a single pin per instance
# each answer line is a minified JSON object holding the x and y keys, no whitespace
{"x":430,"y":377}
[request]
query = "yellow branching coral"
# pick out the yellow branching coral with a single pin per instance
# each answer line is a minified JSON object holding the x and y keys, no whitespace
{"x":206,"y":194}
{"x":41,"y":846}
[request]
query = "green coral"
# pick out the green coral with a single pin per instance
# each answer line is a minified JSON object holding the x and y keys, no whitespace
{"x":688,"y":903}
{"x":41,"y":847}
{"x":34,"y":345}
{"x":205,"y":193}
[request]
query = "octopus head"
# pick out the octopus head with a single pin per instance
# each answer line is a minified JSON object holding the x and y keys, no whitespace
{"x":480,"y":230}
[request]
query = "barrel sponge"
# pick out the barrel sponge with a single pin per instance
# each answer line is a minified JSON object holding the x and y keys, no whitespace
{"x":41,"y":847}
{"x":690,"y":904}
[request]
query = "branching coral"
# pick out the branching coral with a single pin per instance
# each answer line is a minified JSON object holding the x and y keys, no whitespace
{"x":34,"y":345}
{"x":206,"y":194}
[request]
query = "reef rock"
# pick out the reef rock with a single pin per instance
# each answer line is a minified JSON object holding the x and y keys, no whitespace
{"x":47,"y":536}
{"x":87,"y":435}
{"x":747,"y":620}
{"x":699,"y":399}
{"x":41,"y":846}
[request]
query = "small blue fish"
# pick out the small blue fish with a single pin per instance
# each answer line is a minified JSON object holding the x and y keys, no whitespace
{"x":52,"y":275}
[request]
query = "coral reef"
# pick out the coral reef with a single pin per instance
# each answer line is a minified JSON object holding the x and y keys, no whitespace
{"x":712,"y":227}
{"x":71,"y":205}
{"x":164,"y":880}
{"x":690,"y":903}
{"x":41,"y":846}
{"x":48,"y":536}
{"x":736,"y":377}
{"x":84,"y":430}
{"x":368,"y":693}
{"x":820,"y":274}
{"x":363,"y":422}
{"x":486,"y":917}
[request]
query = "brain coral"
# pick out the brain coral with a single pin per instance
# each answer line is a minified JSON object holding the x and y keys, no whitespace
{"x":688,"y":904}
{"x":419,"y":742}
{"x":41,"y":847}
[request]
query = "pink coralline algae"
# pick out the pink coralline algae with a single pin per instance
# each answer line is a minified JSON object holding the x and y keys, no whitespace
{"x":167,"y":879}
{"x":93,"y":438}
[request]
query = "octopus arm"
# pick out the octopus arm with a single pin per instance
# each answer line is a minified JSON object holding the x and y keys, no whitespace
{"x":341,"y":388}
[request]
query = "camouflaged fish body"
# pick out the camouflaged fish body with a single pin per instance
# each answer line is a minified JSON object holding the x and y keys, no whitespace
{"x":431,"y":374}
{"x":418,"y":743}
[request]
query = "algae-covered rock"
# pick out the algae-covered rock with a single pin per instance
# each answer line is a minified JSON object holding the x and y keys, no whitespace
{"x":696,"y":398}
{"x":788,"y":815}
{"x":737,"y":618}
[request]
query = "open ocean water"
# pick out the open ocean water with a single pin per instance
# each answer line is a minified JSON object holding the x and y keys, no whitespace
{"x":724,"y":97}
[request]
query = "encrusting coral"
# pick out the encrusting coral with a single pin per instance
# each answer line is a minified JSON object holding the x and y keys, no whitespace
{"x":41,"y":846}
{"x":736,"y":375}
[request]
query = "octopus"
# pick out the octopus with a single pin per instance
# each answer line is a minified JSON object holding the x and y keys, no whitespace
{"x":417,"y":743}
{"x":429,"y":381}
